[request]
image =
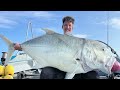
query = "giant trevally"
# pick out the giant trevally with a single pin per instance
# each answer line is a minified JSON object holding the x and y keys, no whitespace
{"x":67,"y":53}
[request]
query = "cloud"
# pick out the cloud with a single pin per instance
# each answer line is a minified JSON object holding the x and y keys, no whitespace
{"x":113,"y":22}
{"x":116,"y":12}
{"x":81,"y":35}
{"x":4,"y":26}
{"x":38,"y":30}
{"x":6,"y":22}
{"x":44,"y":14}
{"x":10,"y":18}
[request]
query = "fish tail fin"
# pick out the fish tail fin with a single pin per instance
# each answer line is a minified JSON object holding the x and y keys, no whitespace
{"x":10,"y":48}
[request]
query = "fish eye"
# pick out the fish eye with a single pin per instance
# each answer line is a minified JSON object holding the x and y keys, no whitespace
{"x":77,"y":59}
{"x":103,"y":49}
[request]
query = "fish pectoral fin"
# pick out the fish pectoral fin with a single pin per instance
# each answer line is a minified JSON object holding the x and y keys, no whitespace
{"x":69,"y":75}
{"x":48,"y":31}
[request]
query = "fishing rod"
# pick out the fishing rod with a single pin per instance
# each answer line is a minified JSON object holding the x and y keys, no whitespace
{"x":107,"y":27}
{"x":108,"y":17}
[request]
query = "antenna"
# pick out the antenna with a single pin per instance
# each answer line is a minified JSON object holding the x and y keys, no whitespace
{"x":107,"y":27}
{"x":27,"y":33}
{"x":29,"y":28}
{"x":30,"y":25}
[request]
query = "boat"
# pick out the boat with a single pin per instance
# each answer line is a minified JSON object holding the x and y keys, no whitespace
{"x":24,"y":66}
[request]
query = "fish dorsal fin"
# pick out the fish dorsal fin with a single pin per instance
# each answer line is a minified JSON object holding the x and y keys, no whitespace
{"x":48,"y":31}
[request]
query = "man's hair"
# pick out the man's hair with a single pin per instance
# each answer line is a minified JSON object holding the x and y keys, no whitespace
{"x":68,"y":19}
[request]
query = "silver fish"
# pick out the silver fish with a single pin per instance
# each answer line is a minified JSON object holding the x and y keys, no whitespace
{"x":67,"y":53}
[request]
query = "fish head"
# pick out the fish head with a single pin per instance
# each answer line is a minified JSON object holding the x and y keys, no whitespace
{"x":103,"y":51}
{"x":98,"y":55}
{"x":104,"y":56}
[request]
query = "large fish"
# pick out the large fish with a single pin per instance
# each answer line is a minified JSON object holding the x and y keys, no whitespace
{"x":67,"y":53}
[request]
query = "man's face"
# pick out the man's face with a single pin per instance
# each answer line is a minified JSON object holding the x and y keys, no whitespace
{"x":67,"y":27}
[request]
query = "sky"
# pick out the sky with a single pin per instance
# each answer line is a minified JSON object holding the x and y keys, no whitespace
{"x":88,"y":24}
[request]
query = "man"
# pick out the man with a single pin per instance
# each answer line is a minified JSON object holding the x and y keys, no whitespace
{"x":7,"y":71}
{"x":53,"y":73}
{"x":4,"y":56}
